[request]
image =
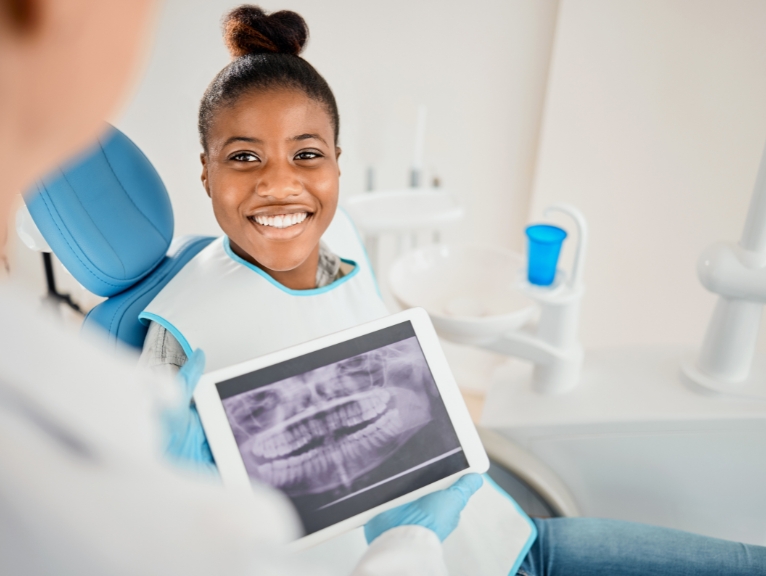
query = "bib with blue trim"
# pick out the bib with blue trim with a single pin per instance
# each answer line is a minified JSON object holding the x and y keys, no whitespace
{"x":234,"y":311}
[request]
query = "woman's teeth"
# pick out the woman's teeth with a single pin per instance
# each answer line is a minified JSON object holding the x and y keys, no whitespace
{"x":281,"y":220}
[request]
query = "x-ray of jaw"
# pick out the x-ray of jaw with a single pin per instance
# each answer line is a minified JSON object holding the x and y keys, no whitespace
{"x":324,"y":429}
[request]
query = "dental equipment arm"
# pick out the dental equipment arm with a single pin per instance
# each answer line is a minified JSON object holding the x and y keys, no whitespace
{"x":754,"y":234}
{"x":737,"y":274}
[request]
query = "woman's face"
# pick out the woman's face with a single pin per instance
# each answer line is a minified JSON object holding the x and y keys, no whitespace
{"x":272,"y":173}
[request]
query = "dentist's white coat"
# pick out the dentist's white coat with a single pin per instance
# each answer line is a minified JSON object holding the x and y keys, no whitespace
{"x":84,"y":490}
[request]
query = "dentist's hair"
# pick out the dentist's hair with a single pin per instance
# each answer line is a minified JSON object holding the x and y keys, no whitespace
{"x":265,"y":49}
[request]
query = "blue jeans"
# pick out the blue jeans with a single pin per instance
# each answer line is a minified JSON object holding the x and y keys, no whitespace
{"x":593,"y":547}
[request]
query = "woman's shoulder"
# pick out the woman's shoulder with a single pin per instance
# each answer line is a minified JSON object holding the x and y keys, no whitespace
{"x":161,"y":349}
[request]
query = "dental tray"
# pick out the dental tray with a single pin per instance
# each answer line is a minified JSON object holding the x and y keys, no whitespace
{"x":347,"y":425}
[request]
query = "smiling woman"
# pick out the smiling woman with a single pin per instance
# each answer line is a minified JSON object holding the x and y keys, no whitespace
{"x":268,"y":125}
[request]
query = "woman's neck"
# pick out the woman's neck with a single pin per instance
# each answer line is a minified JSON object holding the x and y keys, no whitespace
{"x":302,"y":277}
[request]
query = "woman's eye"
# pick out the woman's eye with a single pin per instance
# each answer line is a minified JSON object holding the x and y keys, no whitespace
{"x":245,"y":157}
{"x":307,"y":155}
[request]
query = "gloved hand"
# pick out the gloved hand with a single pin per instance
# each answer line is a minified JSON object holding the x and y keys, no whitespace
{"x":184,"y":437}
{"x":439,"y":511}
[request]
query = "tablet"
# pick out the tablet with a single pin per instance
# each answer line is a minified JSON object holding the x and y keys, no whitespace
{"x":347,"y":425}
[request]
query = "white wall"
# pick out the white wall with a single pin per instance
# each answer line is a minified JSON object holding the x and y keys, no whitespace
{"x":654,"y":124}
{"x":480,"y":68}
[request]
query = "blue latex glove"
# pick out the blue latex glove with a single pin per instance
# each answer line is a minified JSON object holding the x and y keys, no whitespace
{"x":439,"y":511}
{"x":185,"y":439}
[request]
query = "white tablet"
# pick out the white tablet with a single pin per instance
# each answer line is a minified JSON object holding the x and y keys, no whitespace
{"x":348,"y":425}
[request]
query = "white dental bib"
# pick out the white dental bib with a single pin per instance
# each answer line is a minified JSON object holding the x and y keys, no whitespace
{"x":234,"y":311}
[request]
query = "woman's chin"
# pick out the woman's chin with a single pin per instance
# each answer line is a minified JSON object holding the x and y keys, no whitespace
{"x":282,"y":263}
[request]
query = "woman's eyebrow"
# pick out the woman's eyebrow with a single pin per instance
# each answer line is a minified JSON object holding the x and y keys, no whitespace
{"x":308,"y":137}
{"x":242,"y":139}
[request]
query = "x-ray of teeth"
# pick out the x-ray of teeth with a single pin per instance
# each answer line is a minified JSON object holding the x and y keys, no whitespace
{"x":323,"y":429}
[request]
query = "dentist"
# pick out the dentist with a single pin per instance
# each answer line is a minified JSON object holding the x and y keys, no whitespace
{"x":84,"y":488}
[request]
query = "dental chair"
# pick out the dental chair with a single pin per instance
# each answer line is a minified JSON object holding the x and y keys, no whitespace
{"x":107,"y":217}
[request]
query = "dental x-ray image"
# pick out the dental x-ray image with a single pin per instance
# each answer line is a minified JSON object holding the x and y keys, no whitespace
{"x":350,"y":434}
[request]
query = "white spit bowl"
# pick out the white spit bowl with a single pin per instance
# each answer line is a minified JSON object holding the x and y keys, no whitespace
{"x":471,"y":292}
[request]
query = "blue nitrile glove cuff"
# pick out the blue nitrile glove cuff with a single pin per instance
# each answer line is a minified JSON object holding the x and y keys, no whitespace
{"x":439,"y":512}
{"x":185,"y":439}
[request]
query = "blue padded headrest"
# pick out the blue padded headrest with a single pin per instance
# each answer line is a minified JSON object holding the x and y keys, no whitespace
{"x":118,"y":316}
{"x":106,"y":215}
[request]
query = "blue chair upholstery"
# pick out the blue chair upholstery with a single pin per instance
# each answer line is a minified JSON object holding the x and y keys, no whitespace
{"x":107,"y":217}
{"x":119,"y":314}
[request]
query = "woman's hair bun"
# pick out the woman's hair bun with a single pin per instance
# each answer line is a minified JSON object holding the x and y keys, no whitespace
{"x":249,"y":30}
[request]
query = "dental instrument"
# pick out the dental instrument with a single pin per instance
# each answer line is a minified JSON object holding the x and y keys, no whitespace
{"x":416,"y":173}
{"x":405,"y":214}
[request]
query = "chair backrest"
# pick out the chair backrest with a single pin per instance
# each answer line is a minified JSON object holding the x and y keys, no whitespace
{"x":107,"y":217}
{"x":118,"y":315}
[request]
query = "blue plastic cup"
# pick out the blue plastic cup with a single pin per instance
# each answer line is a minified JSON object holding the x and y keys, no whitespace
{"x":543,"y":251}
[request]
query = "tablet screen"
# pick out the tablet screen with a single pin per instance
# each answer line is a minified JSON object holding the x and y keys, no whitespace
{"x":346,"y":428}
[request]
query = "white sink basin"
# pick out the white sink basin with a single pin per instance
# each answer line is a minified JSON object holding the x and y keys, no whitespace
{"x":470,"y":292}
{"x":403,"y":210}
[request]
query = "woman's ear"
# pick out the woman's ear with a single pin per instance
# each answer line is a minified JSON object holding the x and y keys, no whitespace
{"x":337,"y":156}
{"x":203,"y":177}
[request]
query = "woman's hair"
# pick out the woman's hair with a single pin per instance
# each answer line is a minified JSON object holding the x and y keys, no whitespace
{"x":265,"y":49}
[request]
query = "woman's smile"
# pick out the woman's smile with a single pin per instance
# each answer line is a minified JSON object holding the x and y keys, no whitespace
{"x":281,"y":220}
{"x":281,"y":225}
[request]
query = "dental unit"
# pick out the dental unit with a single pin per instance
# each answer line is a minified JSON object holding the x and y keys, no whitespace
{"x":531,"y":321}
{"x":661,"y":434}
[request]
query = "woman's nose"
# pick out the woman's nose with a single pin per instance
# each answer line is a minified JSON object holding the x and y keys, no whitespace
{"x":278,"y":180}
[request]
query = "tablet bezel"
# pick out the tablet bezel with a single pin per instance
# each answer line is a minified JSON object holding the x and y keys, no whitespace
{"x":229,"y":460}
